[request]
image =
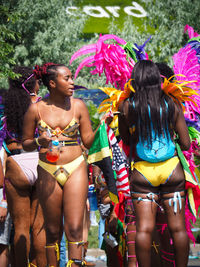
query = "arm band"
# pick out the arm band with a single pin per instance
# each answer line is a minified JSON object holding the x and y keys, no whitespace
{"x":3,"y":205}
{"x":36,"y":141}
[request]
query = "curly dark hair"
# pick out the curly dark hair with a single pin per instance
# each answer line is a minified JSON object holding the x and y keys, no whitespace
{"x":17,"y":100}
{"x":47,"y":72}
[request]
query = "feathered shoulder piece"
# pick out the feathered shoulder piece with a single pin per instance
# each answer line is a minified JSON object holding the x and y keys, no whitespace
{"x":187,"y":63}
{"x":178,"y":90}
{"x":181,"y":91}
{"x":115,"y":97}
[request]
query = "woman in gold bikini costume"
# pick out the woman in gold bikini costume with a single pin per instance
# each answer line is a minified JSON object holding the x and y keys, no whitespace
{"x":62,"y":185}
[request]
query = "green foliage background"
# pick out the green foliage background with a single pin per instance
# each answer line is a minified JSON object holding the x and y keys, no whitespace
{"x":101,"y":25}
{"x":39,"y":31}
{"x":42,"y":32}
{"x":7,"y":37}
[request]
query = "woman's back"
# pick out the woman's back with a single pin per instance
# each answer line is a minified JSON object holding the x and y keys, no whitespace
{"x":154,"y":115}
{"x":159,"y":148}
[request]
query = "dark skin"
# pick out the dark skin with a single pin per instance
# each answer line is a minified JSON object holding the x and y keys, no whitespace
{"x":130,"y":234}
{"x":3,"y":214}
{"x":146,"y":224}
{"x":57,"y":111}
{"x":1,"y":175}
{"x":22,"y":200}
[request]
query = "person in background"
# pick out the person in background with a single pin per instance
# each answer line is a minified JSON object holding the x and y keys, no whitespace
{"x":87,"y":212}
{"x":108,"y":219}
{"x":21,"y":174}
{"x":63,"y":256}
{"x":5,"y":220}
{"x":92,"y":198}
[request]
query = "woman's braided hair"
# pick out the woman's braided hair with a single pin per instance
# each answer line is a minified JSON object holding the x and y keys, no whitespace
{"x":47,"y":72}
{"x":17,"y":100}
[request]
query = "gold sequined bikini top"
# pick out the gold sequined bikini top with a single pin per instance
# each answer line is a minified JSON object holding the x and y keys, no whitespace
{"x":71,"y":130}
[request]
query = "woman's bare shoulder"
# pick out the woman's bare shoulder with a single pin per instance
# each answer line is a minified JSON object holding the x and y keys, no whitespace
{"x":31,"y":114}
{"x":79,"y":104}
{"x":177,"y":110}
{"x":35,"y":108}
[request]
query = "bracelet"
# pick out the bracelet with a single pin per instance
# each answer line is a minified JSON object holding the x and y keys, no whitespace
{"x":37,"y":142}
{"x":3,"y":205}
{"x":95,"y":178}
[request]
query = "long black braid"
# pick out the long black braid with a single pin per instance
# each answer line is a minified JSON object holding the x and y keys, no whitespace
{"x":148,"y":99}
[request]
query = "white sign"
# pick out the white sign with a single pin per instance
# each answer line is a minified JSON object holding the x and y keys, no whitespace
{"x":135,"y":10}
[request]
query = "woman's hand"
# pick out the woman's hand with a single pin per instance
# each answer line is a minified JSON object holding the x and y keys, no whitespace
{"x":3,"y":210}
{"x":108,"y":117}
{"x":44,"y":140}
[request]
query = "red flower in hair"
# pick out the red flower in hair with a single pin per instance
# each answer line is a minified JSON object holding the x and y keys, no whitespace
{"x":46,"y":65}
{"x":39,"y":71}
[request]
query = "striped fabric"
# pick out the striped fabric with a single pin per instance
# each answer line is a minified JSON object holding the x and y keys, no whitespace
{"x":118,"y":164}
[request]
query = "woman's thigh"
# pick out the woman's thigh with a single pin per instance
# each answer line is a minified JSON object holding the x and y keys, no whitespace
{"x":15,"y":175}
{"x":173,"y":197}
{"x":37,"y":218}
{"x":175,"y":183}
{"x":19,"y":207}
{"x":50,"y":195}
{"x":145,"y":198}
{"x":75,"y":194}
